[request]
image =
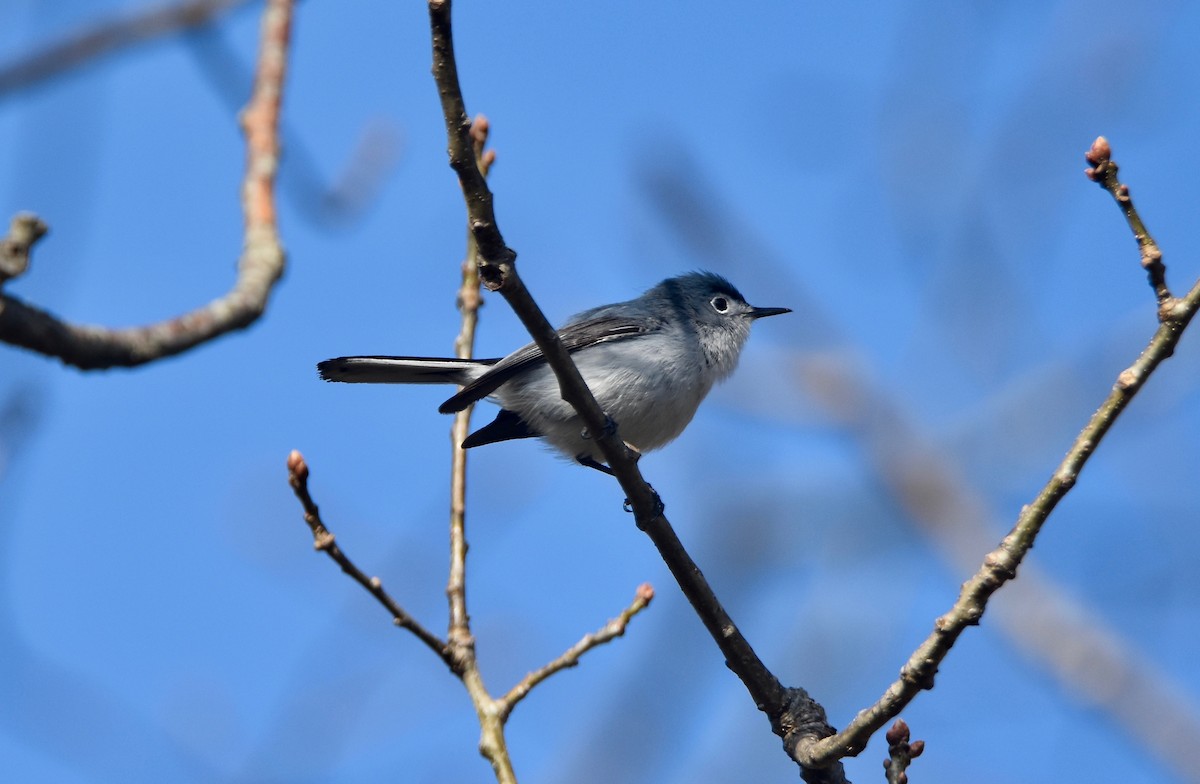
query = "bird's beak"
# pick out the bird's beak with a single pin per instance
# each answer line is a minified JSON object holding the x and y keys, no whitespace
{"x":757,"y":313}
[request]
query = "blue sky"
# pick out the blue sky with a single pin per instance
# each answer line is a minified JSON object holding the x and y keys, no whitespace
{"x":908,"y":178}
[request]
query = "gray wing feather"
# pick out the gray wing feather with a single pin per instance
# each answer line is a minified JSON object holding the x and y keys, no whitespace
{"x":505,"y":427}
{"x":576,"y":336}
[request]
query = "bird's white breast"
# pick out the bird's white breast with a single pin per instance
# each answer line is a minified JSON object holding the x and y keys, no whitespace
{"x":651,"y":391}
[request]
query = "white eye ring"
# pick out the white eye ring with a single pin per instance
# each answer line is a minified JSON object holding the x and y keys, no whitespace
{"x":719,"y":304}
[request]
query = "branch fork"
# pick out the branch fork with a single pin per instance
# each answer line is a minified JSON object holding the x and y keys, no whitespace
{"x":260,"y":265}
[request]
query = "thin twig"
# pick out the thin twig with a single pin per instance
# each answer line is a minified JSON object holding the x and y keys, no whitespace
{"x":109,"y":36}
{"x":492,"y":743}
{"x":1074,"y":644}
{"x":1000,"y":565}
{"x":259,"y":268}
{"x":469,"y":302}
{"x":1104,"y":171}
{"x":794,"y":715}
{"x":324,"y":541}
{"x":570,"y":657}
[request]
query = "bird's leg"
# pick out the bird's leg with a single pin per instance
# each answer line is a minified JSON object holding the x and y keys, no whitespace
{"x":659,"y":506}
{"x":587,"y":460}
{"x":610,"y":427}
{"x":590,"y":462}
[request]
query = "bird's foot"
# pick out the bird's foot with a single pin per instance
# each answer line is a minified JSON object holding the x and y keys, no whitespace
{"x":610,"y":427}
{"x":659,"y":506}
{"x":590,"y":462}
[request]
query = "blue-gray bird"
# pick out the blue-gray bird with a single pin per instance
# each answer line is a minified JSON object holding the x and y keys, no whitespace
{"x":648,"y":361}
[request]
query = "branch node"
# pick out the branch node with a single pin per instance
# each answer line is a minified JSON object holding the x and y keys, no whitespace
{"x":1001,"y":563}
{"x":920,"y":674}
{"x":1174,"y":310}
{"x":801,"y":718}
{"x":23,"y":233}
{"x":971,"y":616}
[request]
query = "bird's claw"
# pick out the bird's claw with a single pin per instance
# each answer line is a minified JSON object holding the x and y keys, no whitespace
{"x":659,"y":506}
{"x":610,"y":427}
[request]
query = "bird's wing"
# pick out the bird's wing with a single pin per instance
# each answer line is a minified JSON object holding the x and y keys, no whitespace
{"x":576,"y":336}
{"x":506,"y":426}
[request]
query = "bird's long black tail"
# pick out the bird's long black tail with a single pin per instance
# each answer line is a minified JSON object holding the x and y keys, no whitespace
{"x":402,"y":370}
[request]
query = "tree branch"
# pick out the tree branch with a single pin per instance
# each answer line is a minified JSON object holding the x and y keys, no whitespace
{"x":570,"y":658}
{"x":1000,"y":565}
{"x":323,"y":540}
{"x":261,"y":264}
{"x":326,"y":201}
{"x":794,"y":715}
{"x":1104,"y":172}
{"x":469,"y":302}
{"x":492,"y":743}
{"x":109,"y":36}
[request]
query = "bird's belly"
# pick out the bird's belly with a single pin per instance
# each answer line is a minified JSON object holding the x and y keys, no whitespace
{"x":651,"y":400}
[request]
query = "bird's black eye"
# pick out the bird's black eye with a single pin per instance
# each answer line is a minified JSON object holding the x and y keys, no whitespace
{"x":719,"y":304}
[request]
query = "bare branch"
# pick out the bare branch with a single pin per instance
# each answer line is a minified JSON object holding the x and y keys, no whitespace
{"x":570,"y":658}
{"x":794,"y":715}
{"x":469,"y":302}
{"x":492,"y":743}
{"x":497,"y":262}
{"x":323,"y":540}
{"x":106,"y":37}
{"x":1104,"y":171}
{"x":259,"y":268}
{"x":1000,"y":565}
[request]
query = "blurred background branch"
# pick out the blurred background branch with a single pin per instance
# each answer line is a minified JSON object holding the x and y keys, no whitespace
{"x":259,"y":268}
{"x":109,"y":36}
{"x":328,"y":202}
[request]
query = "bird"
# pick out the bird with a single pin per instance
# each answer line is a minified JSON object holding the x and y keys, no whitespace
{"x":649,"y":362}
